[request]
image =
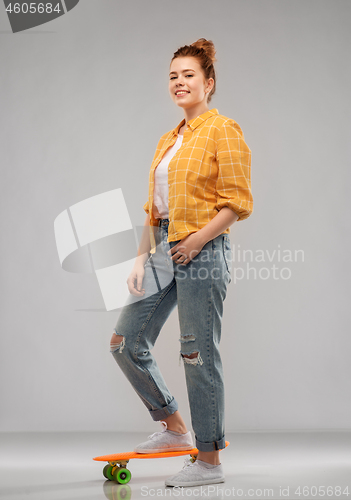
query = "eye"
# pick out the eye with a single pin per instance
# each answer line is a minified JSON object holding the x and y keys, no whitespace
{"x":173,"y":77}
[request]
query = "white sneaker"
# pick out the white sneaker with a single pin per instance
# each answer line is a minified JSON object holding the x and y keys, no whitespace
{"x":195,"y":474}
{"x":166,"y":441}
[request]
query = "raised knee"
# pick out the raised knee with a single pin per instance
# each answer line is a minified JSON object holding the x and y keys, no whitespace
{"x":117,"y":342}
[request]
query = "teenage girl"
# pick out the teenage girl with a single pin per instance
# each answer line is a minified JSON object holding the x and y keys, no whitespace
{"x":199,"y":185}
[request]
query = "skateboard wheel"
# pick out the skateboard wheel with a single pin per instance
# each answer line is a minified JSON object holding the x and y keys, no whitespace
{"x":122,"y":475}
{"x":104,"y":470}
{"x":107,"y":472}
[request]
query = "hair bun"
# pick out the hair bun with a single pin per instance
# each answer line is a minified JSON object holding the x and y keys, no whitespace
{"x":207,"y":46}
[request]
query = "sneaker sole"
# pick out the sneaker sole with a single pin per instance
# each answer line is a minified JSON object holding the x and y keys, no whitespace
{"x":195,"y":483}
{"x":161,"y":450}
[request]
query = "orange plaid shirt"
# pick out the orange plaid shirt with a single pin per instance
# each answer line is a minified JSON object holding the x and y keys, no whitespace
{"x":211,"y":170}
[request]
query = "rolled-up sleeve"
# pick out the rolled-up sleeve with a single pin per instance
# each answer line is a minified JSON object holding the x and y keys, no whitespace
{"x":233,"y":186}
{"x":146,"y":207}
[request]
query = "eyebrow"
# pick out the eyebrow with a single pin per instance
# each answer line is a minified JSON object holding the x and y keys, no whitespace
{"x":184,"y":70}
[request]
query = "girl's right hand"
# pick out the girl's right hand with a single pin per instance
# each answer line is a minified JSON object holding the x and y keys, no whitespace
{"x":135,"y":280}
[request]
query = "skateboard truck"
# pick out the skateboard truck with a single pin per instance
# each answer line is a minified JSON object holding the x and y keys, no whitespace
{"x":121,"y":463}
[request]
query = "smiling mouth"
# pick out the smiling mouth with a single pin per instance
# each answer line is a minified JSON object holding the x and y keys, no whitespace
{"x":182,"y":92}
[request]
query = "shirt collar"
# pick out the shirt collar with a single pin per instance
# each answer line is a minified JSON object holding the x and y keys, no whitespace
{"x":195,"y":122}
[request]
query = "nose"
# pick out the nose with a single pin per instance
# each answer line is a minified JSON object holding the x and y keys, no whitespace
{"x":180,"y":81}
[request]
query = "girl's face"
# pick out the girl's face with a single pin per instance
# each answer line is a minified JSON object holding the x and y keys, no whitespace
{"x":186,"y":75}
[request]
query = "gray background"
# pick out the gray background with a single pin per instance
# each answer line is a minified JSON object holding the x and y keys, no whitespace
{"x":84,"y":100}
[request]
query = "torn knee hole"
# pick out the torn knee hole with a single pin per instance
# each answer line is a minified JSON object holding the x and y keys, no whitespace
{"x":193,"y":359}
{"x":187,"y":337}
{"x":191,"y":356}
{"x":117,"y":342}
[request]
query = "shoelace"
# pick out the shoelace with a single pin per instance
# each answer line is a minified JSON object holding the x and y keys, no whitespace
{"x":164,"y":425}
{"x":188,"y":463}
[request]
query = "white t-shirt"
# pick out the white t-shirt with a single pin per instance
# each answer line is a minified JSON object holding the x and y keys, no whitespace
{"x":161,"y":179}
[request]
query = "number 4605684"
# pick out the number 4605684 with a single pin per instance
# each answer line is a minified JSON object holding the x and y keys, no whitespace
{"x":33,"y":8}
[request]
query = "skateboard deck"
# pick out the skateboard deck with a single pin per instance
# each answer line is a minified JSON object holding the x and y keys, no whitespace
{"x":116,"y":468}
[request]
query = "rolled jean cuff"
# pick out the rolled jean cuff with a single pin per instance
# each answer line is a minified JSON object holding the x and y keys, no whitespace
{"x":165,"y":412}
{"x":211,"y":446}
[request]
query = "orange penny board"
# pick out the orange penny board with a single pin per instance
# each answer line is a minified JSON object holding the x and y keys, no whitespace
{"x":127,"y":456}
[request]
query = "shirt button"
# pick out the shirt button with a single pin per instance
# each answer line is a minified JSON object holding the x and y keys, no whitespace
{"x":169,"y":185}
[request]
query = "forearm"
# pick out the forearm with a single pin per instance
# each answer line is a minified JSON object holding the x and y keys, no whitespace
{"x":144,"y":246}
{"x":224,"y":219}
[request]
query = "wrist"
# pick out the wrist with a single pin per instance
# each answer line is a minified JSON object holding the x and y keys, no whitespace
{"x":201,"y":237}
{"x":141,"y":259}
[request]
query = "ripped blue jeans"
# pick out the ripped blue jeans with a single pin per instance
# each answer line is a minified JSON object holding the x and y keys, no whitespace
{"x":198,"y":289}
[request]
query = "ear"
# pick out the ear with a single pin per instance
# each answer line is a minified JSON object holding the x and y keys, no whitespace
{"x":209,"y":85}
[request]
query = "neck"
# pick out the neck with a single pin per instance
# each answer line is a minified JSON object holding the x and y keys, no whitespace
{"x":191,"y":113}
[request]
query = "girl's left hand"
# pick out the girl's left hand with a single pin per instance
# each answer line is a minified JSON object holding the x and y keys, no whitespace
{"x":186,"y":249}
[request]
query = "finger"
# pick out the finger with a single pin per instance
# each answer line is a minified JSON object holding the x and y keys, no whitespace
{"x":176,"y":248}
{"x":182,"y":258}
{"x":138,"y":283}
{"x":131,"y":281}
{"x":178,"y":258}
{"x":135,"y":292}
{"x":185,"y":262}
{"x":175,"y":256}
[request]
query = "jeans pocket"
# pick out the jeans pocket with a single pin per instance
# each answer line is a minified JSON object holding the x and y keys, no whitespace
{"x":227,"y":252}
